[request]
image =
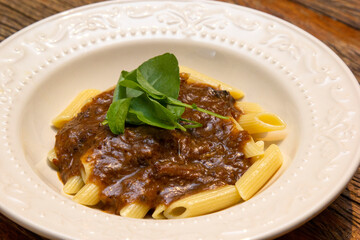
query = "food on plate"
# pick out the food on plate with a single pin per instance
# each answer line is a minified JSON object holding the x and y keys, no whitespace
{"x":164,"y":142}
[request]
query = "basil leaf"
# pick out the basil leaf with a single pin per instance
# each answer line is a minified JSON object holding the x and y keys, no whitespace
{"x":132,"y":85}
{"x":148,"y":95}
{"x":133,"y":119}
{"x":136,"y":86}
{"x":116,"y":115}
{"x":162,"y":72}
{"x":176,"y":110}
{"x":153,"y":113}
{"x":122,"y":91}
{"x":148,"y":88}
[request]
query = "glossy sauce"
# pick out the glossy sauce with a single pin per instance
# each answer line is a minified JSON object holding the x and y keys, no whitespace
{"x":152,"y":165}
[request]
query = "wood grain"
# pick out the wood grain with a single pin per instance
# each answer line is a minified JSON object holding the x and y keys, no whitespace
{"x":17,"y":14}
{"x":334,"y":22}
{"x":347,"y":11}
{"x":10,"y":230}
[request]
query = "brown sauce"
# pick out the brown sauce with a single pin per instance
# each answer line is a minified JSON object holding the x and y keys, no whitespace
{"x":152,"y":165}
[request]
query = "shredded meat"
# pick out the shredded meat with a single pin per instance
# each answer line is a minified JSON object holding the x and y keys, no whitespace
{"x":151,"y":165}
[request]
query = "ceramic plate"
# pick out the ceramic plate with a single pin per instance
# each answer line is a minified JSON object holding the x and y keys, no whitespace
{"x":276,"y":64}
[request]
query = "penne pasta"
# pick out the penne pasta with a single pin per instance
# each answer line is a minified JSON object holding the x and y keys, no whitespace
{"x":196,"y":77}
{"x":87,"y":166}
{"x":83,"y":175}
{"x":236,"y":124}
{"x":271,"y":136}
{"x":51,"y":155}
{"x":74,"y":107}
{"x":134,"y":210}
{"x":248,"y":107}
{"x":261,"y":122}
{"x":253,"y":149}
{"x":203,"y":202}
{"x":159,"y":212}
{"x":87,"y":171}
{"x":73,"y":185}
{"x":89,"y":195}
{"x":259,"y":173}
{"x":260,"y":144}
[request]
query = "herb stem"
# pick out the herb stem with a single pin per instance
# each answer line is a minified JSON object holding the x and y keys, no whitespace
{"x":195,"y":107}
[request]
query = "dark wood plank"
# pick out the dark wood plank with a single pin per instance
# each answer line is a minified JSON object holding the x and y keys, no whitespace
{"x":17,"y":14}
{"x":341,"y":220}
{"x":10,"y":230}
{"x":346,"y":11}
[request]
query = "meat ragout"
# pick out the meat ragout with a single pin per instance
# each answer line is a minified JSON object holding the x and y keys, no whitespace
{"x":150,"y":165}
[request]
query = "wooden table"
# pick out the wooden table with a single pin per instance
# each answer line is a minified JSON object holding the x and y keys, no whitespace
{"x":334,"y":22}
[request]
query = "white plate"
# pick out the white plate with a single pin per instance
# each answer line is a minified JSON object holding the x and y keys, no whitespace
{"x":278,"y":65}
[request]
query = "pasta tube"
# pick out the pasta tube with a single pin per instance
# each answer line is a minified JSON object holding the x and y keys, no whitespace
{"x":252,"y":149}
{"x":88,"y":195}
{"x":261,"y":122}
{"x":51,"y":155}
{"x":88,"y":167}
{"x":134,"y":210}
{"x":271,"y":136}
{"x":203,"y":202}
{"x":236,"y":124}
{"x":259,"y":173}
{"x":73,"y":185}
{"x":74,"y":107}
{"x":159,"y":212}
{"x":248,"y":107}
{"x":196,"y":77}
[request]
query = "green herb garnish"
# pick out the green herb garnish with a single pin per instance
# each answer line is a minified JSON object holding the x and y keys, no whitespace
{"x":148,"y":95}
